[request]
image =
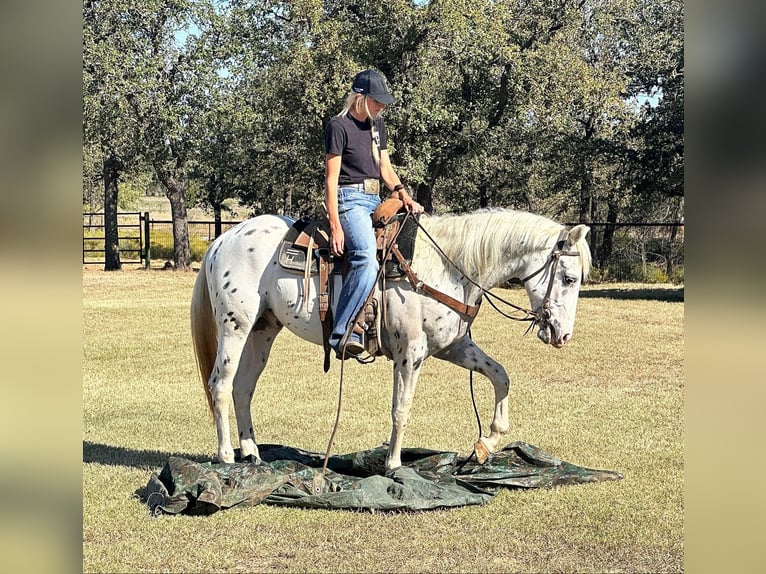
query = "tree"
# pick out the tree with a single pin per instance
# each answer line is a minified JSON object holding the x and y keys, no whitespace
{"x":294,"y":65}
{"x":659,"y":74}
{"x":222,"y":163}
{"x":142,"y":89}
{"x":108,"y":130}
{"x":168,"y":91}
{"x":525,"y":104}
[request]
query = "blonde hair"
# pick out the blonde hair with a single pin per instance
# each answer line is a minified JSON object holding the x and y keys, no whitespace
{"x":358,"y":103}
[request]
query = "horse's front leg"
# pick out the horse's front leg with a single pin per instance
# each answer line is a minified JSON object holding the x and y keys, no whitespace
{"x":467,"y":354}
{"x":406,"y":372}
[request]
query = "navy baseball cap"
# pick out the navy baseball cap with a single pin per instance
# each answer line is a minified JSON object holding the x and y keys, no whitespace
{"x":372,"y":84}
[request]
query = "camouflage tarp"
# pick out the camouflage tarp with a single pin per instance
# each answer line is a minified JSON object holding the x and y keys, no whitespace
{"x":289,"y":476}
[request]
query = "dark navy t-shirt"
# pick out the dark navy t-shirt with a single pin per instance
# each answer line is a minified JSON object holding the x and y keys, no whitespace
{"x":349,"y":138}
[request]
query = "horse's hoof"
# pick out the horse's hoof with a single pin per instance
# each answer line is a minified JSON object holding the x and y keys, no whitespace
{"x":481,"y":451}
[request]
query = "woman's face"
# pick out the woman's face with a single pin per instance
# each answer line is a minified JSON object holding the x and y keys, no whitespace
{"x":374,"y":106}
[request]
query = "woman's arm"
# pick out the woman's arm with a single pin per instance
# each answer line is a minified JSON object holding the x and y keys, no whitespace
{"x":391,"y":179}
{"x":332,"y":171}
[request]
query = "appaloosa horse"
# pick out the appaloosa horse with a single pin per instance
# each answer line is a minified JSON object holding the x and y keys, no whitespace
{"x":242,"y":298}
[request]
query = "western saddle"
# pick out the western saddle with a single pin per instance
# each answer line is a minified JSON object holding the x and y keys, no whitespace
{"x":305,"y":249}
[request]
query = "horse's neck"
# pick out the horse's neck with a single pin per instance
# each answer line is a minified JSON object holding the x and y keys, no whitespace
{"x":491,"y":254}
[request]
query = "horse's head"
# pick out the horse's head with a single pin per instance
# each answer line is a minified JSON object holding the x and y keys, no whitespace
{"x":553,"y":288}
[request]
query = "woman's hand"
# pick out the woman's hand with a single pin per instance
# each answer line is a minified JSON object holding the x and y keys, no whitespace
{"x":337,"y":241}
{"x":410,"y":204}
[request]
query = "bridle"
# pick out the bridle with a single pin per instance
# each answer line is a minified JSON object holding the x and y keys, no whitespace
{"x":543,"y":313}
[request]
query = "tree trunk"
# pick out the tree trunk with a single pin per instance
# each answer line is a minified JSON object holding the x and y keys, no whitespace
{"x":111,"y":172}
{"x":607,"y":242}
{"x":287,"y":200}
{"x":483,"y":195}
{"x":585,"y":149}
{"x":424,"y":197}
{"x":669,"y":265}
{"x":586,"y":193}
{"x":181,"y":248}
{"x":218,"y":228}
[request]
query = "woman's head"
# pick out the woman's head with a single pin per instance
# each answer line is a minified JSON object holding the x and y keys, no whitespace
{"x":363,"y":106}
{"x":368,"y":95}
{"x":370,"y":83}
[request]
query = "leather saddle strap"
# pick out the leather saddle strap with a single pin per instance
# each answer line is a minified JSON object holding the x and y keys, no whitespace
{"x":325,"y":313}
{"x":462,"y":308}
{"x":307,"y":273}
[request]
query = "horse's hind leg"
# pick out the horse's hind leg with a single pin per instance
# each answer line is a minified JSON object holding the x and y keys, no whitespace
{"x":254,"y":357}
{"x":467,"y":354}
{"x":230,"y":347}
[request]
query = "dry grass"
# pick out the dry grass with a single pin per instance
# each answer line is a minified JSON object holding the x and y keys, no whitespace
{"x":611,"y":399}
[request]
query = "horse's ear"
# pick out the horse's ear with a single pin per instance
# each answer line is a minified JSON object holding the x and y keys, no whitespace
{"x":577,"y":233}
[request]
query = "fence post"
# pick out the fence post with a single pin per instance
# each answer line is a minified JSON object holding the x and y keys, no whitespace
{"x":147,"y":238}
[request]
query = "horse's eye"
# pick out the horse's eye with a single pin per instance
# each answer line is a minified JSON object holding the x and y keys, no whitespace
{"x":569,"y":280}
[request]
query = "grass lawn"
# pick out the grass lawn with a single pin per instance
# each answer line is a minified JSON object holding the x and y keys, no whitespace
{"x":611,"y":399}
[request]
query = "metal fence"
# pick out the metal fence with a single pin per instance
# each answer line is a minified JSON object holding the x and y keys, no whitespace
{"x":130,"y":232}
{"x":640,"y":252}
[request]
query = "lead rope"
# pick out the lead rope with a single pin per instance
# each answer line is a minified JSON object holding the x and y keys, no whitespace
{"x":473,"y":399}
{"x":319,"y":479}
{"x":460,"y":466}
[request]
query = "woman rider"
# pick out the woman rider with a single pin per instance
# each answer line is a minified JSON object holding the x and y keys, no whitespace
{"x":356,"y":161}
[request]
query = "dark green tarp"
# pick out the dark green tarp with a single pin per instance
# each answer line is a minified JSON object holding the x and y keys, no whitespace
{"x":289,"y":476}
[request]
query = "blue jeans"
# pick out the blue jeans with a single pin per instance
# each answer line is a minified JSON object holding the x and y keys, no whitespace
{"x":354,"y":210}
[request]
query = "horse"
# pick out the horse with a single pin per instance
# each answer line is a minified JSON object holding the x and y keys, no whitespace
{"x":242,"y":298}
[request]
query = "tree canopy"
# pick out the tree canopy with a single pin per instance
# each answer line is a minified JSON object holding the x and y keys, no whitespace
{"x":572,"y":109}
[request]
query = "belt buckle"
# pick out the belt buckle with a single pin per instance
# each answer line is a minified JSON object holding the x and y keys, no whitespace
{"x":371,"y":186}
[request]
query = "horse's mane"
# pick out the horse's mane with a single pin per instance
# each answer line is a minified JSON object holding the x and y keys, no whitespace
{"x":482,"y":242}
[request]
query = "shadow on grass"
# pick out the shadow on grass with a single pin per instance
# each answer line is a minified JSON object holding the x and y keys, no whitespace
{"x":670,"y":295}
{"x":121,"y":456}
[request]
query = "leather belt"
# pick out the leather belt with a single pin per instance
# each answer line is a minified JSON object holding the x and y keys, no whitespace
{"x":369,"y":186}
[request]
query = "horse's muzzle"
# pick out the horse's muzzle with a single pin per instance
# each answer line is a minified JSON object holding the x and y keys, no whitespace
{"x":548,"y":335}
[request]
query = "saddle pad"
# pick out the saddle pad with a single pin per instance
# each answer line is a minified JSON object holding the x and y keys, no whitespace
{"x":293,"y":247}
{"x":406,"y":243}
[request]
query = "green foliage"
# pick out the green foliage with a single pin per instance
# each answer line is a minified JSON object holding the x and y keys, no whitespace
{"x":648,"y":273}
{"x":162,"y":246}
{"x":129,"y":194}
{"x":677,"y":275}
{"x":529,"y":105}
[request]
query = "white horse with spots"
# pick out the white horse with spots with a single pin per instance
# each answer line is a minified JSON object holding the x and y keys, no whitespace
{"x":240,"y":280}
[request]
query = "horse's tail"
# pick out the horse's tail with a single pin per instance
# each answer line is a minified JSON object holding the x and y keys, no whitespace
{"x":203,"y":330}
